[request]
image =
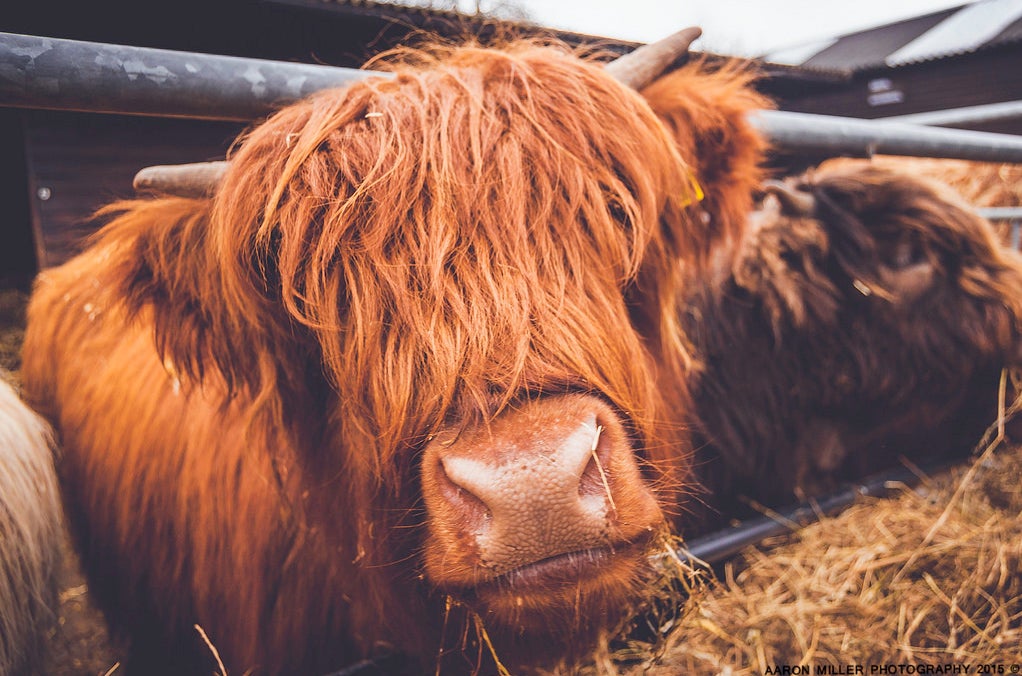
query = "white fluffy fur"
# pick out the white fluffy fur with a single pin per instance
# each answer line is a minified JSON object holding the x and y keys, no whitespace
{"x":30,"y":532}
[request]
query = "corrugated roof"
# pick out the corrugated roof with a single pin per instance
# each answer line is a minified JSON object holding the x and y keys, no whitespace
{"x":951,"y":31}
{"x":966,"y":29}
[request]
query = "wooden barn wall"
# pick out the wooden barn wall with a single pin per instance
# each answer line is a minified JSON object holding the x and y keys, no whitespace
{"x":310,"y":31}
{"x":18,"y":259}
{"x":233,"y":27}
{"x":81,"y":161}
{"x":989,"y":76}
{"x":78,"y":162}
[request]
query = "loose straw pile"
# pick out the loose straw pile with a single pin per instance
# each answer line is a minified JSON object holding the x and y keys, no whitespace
{"x":930,"y":577}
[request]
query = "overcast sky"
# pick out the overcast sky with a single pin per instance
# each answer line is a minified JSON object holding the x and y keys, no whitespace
{"x":744,"y":27}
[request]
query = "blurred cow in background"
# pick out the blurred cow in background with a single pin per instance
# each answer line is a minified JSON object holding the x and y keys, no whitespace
{"x":981,"y":184}
{"x":868,"y":315}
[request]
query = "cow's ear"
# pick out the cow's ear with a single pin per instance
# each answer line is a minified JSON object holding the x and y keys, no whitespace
{"x":782,"y":262}
{"x":706,"y":108}
{"x":166,"y":267}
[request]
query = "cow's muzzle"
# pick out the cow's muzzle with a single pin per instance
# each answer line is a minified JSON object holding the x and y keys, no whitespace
{"x":545,"y":497}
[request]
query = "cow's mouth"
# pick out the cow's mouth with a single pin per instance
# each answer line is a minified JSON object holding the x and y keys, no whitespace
{"x":571,"y":570}
{"x":585,"y":586}
{"x":555,"y":570}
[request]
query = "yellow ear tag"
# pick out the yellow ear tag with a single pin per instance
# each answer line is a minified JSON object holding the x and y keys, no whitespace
{"x":697,"y":191}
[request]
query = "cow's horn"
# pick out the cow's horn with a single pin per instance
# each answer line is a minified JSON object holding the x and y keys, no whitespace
{"x":635,"y":69}
{"x":182,"y":180}
{"x":641,"y":67}
{"x":793,"y":202}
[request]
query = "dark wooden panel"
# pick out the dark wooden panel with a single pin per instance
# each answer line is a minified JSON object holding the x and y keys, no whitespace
{"x":78,"y":162}
{"x":987,"y":76}
{"x":17,"y":246}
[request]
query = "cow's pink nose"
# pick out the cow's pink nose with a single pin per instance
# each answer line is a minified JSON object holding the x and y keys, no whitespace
{"x":554,"y":476}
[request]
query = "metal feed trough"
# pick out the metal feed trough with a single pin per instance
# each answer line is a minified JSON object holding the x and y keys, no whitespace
{"x":57,"y":74}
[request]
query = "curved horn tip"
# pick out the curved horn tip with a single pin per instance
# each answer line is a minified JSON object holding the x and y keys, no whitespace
{"x":793,"y":202}
{"x":645,"y":64}
{"x":182,"y":180}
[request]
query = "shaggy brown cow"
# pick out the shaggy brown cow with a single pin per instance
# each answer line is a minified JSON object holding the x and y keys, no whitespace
{"x":867,"y":316}
{"x":981,"y":184}
{"x":413,"y":371}
{"x":30,"y":534}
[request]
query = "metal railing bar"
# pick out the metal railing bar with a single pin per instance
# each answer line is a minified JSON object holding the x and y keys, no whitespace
{"x":58,"y":74}
{"x":1000,"y":213}
{"x":835,"y":135}
{"x":52,"y":73}
{"x":989,"y":112}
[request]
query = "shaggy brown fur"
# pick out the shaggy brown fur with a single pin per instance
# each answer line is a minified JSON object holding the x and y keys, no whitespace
{"x":877,"y":326}
{"x":981,"y":184}
{"x":244,"y":385}
{"x":30,"y":534}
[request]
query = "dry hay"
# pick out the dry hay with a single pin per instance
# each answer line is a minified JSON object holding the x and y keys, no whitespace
{"x":870,"y":588}
{"x":930,"y":577}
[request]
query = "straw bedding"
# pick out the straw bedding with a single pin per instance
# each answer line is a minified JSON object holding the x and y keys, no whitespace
{"x":930,"y":577}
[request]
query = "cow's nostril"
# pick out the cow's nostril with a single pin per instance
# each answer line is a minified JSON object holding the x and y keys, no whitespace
{"x":473,"y":510}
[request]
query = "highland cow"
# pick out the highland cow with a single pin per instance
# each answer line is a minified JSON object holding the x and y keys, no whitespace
{"x":981,"y":184}
{"x":411,"y":375}
{"x":31,"y":532}
{"x":868,"y":315}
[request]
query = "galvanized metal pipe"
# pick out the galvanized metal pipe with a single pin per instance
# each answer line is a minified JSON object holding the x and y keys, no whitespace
{"x":990,"y":112}
{"x":1013,"y":215}
{"x":1000,"y":213}
{"x":832,"y":135}
{"x":51,"y":73}
{"x":39,"y":72}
